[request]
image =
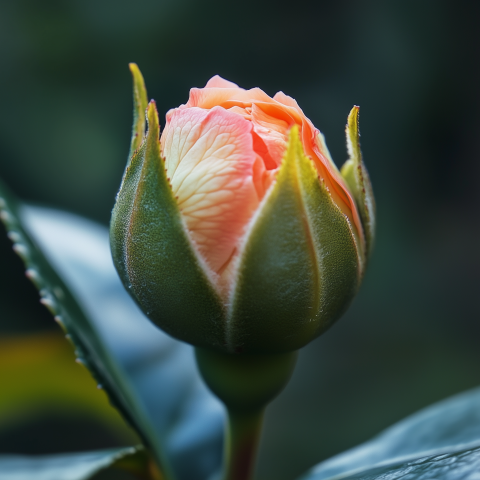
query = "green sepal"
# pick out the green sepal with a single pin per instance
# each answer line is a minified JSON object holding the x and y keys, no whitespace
{"x":120,"y":220}
{"x":356,"y":176}
{"x":140,"y":102}
{"x":154,"y":255}
{"x":299,"y":268}
{"x":119,"y":223}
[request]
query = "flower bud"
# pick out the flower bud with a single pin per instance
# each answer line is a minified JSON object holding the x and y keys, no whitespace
{"x":235,"y":230}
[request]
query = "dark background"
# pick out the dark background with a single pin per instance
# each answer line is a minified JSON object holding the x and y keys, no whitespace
{"x":412,"y":335}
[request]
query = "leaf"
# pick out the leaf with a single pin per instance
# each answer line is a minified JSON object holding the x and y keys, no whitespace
{"x":74,"y":466}
{"x":150,"y":377}
{"x":38,"y":373}
{"x":451,"y":427}
{"x":463,"y":464}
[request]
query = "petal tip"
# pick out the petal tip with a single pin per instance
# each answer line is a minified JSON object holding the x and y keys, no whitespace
{"x":218,"y":82}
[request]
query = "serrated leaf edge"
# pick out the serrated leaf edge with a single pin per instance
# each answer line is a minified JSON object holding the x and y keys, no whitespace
{"x":49,"y":297}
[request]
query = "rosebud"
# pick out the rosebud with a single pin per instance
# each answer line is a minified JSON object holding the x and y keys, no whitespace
{"x":236,"y":231}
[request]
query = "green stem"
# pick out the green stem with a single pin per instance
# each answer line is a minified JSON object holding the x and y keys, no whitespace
{"x":245,"y":383}
{"x":241,"y":444}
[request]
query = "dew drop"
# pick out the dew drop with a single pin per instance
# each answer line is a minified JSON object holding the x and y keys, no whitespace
{"x":58,"y":292}
{"x":14,"y":236}
{"x":20,"y":250}
{"x":48,"y":302}
{"x":5,"y":216}
{"x":32,"y":274}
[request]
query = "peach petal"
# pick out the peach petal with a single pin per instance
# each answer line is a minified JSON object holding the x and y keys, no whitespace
{"x":254,"y":95}
{"x":244,"y":112}
{"x":209,"y":159}
{"x":272,"y":129}
{"x":262,"y":178}
{"x":218,"y":82}
{"x":287,"y":100}
{"x":271,"y":118}
{"x":210,"y":97}
{"x":261,"y":149}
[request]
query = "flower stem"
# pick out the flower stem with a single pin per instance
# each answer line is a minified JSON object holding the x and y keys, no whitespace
{"x":245,"y":383}
{"x":241,"y":444}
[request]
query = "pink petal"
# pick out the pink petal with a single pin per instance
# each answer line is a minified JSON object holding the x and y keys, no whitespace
{"x":209,"y":160}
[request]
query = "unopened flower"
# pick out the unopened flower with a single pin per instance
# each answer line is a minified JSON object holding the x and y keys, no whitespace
{"x":236,"y":231}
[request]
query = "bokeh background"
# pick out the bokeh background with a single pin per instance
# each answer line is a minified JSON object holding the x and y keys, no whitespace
{"x":412,"y":335}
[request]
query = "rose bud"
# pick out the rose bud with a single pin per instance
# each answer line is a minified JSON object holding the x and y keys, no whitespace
{"x":234,"y":230}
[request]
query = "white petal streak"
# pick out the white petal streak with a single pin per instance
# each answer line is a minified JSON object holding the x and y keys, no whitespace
{"x":209,"y":159}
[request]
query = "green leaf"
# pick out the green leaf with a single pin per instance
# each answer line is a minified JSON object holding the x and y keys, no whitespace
{"x":150,"y":377}
{"x":74,"y":466}
{"x":299,"y":266}
{"x":462,"y":464}
{"x":39,"y":373}
{"x":57,"y":298}
{"x":356,"y":175}
{"x":153,"y":254}
{"x":446,"y":432}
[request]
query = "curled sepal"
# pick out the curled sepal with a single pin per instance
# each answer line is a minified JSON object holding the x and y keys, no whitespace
{"x":154,"y":255}
{"x":356,"y":176}
{"x":119,"y":223}
{"x":299,"y":267}
{"x":140,"y":102}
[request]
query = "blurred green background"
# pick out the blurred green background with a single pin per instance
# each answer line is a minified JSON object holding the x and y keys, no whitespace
{"x":412,"y":335}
